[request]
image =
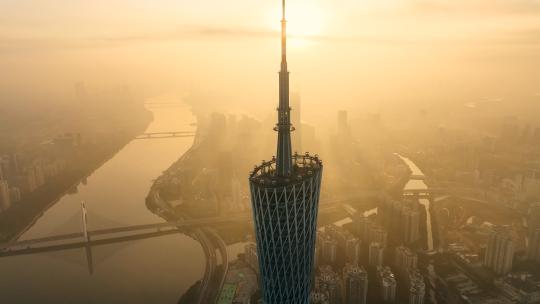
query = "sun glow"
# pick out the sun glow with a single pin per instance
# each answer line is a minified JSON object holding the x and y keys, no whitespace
{"x":304,"y":20}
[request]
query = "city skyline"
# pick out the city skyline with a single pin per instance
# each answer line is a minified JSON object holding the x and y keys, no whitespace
{"x":154,"y":152}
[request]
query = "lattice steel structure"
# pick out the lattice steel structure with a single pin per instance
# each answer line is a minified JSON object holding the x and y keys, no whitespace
{"x":285,"y":213}
{"x":285,"y":199}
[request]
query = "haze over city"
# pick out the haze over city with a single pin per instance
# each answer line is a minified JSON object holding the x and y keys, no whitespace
{"x":376,"y":52}
{"x":298,"y":151}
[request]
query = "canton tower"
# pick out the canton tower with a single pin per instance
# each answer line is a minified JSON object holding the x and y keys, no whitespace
{"x":285,"y":200}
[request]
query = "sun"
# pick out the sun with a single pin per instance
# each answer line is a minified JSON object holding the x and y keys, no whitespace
{"x":304,"y":20}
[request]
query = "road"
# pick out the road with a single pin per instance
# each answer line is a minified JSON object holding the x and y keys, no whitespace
{"x":198,"y":229}
{"x":210,"y":269}
{"x":224,"y":261}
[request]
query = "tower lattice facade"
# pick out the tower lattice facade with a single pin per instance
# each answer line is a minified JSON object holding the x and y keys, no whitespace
{"x":285,"y":200}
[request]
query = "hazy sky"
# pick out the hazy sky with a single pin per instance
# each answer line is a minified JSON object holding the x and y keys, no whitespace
{"x":353,"y":52}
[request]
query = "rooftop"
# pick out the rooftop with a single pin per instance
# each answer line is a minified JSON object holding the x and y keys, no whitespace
{"x":304,"y":167}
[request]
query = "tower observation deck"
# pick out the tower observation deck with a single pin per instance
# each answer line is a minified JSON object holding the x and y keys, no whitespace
{"x":285,"y":200}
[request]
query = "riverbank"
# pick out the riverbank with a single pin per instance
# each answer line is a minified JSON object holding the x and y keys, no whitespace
{"x":15,"y":221}
{"x":142,"y":271}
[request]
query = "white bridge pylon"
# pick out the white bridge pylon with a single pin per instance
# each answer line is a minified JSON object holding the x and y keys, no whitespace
{"x":85,"y":222}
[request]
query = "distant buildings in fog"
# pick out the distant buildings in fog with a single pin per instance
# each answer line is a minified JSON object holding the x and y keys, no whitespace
{"x":534,"y":246}
{"x":376,"y":254}
{"x":5,"y":200}
{"x":403,"y":216}
{"x":17,"y":180}
{"x":533,"y":252}
{"x":500,"y":250}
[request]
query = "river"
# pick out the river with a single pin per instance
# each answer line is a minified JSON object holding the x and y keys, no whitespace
{"x":417,"y":183}
{"x":157,"y":270}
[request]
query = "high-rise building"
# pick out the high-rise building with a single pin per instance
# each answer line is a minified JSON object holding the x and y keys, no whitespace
{"x":410,"y":224}
{"x":533,"y":223}
{"x":39,"y":174}
{"x":318,"y":297}
{"x":355,"y":280}
{"x":377,"y":234}
{"x":361,"y":225}
{"x":329,"y":283}
{"x":376,"y":254}
{"x":387,"y":284}
{"x":6,"y":167}
{"x":27,"y":181}
{"x":347,"y":245}
{"x":285,"y":199}
{"x":328,"y":249}
{"x":5,"y":199}
{"x":14,"y":164}
{"x":534,"y":246}
{"x":405,"y":259}
{"x":417,"y":287}
{"x":352,"y":250}
{"x":500,"y":250}
{"x":14,"y":194}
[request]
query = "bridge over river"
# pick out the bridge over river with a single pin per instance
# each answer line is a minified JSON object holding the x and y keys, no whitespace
{"x":137,"y":232}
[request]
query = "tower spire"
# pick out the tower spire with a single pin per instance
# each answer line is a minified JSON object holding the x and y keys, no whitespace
{"x":283,"y":35}
{"x":284,"y":162}
{"x":288,"y":189}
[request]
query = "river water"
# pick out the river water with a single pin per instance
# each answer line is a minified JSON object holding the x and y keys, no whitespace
{"x":415,"y":183}
{"x":157,"y":270}
{"x":419,"y":184}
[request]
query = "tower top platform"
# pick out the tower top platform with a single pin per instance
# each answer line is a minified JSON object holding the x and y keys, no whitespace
{"x":305,"y":166}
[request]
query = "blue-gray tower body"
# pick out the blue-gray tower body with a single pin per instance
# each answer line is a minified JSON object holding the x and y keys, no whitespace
{"x":285,"y":200}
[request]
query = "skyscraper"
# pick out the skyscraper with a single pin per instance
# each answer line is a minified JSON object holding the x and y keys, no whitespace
{"x":329,"y":283}
{"x":376,"y":254}
{"x":352,"y":250}
{"x":348,"y":246}
{"x":500,"y":251}
{"x":387,"y":284}
{"x":355,"y":279}
{"x":534,"y":246}
{"x":5,"y":200}
{"x":378,"y":234}
{"x":410,"y":224}
{"x":285,"y":200}
{"x":405,"y":259}
{"x":328,"y":249}
{"x":533,"y":222}
{"x":417,"y":287}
